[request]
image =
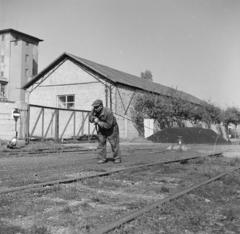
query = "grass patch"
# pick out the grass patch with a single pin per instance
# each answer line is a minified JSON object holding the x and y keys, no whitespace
{"x":39,"y":230}
{"x":69,"y":193}
{"x":10,"y":229}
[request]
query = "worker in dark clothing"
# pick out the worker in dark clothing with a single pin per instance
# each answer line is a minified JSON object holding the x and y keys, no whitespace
{"x":107,"y":128}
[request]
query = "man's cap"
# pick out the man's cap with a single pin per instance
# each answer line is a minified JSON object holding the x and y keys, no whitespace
{"x":97,"y":102}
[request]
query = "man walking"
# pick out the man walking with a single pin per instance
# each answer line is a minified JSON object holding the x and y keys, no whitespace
{"x":107,"y":128}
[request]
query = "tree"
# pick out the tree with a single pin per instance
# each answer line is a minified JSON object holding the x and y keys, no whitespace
{"x":208,"y":113}
{"x":165,"y":110}
{"x":171,"y":108}
{"x":147,"y":75}
{"x":231,"y":116}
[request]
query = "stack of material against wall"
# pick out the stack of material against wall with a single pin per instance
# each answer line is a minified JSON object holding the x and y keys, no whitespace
{"x":189,"y":136}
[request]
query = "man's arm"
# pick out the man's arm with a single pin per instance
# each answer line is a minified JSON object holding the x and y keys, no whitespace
{"x":109,"y":121}
{"x":91,"y":116}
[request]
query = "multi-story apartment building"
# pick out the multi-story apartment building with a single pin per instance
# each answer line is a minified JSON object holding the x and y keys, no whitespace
{"x":18,"y":63}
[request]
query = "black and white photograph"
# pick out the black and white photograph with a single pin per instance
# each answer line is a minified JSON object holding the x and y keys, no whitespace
{"x":119,"y":116}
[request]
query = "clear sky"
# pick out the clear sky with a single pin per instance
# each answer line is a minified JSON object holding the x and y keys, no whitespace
{"x":193,"y":45}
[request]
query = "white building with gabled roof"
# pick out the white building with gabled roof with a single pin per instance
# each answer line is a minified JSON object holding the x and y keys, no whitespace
{"x":72,"y":82}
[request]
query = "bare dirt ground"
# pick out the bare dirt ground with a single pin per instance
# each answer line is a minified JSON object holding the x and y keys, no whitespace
{"x":19,"y":171}
{"x":82,"y":207}
{"x":24,"y":170}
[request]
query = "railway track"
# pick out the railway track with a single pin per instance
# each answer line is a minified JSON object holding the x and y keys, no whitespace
{"x":129,"y":217}
{"x":150,"y":182}
{"x":71,"y":180}
{"x":60,"y":150}
{"x":44,"y":151}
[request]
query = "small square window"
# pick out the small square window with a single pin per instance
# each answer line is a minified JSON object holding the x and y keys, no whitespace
{"x":27,"y":43}
{"x":15,"y":42}
{"x":66,"y":101}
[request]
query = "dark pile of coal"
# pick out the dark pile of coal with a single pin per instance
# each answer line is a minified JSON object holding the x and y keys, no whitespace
{"x":189,"y":136}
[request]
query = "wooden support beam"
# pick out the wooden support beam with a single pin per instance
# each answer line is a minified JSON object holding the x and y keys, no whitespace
{"x":43,"y":124}
{"x":74,"y":125}
{"x":130,"y":102}
{"x":28,"y":124}
{"x":66,"y":125}
{"x":83,"y":122}
{"x":110,"y":97}
{"x":57,"y":126}
{"x":121,"y":100}
{"x":40,"y":113}
{"x":51,"y":120}
{"x":106,"y":95}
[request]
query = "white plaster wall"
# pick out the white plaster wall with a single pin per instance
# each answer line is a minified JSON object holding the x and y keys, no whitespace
{"x":68,"y":79}
{"x":7,"y":123}
{"x":123,"y":97}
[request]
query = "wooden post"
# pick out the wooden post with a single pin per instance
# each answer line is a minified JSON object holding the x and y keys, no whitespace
{"x":57,"y":125}
{"x":74,"y":126}
{"x":83,"y":120}
{"x":88,"y":131}
{"x":42,"y":124}
{"x":28,"y":124}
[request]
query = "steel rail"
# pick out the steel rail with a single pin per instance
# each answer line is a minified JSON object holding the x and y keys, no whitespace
{"x":67,"y":150}
{"x":134,"y":215}
{"x":43,"y":153}
{"x":51,"y":183}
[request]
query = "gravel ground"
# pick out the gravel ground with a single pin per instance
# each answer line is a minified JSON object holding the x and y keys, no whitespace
{"x":19,"y":171}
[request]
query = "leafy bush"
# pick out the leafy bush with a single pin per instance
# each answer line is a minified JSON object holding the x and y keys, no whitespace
{"x":171,"y":110}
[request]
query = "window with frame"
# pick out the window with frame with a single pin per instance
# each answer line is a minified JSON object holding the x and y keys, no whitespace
{"x":2,"y":58}
{"x":66,"y":101}
{"x":2,"y":74}
{"x":3,"y":89}
{"x":3,"y":37}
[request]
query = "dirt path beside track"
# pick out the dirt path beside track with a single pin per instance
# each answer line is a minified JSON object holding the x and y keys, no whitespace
{"x":19,"y":171}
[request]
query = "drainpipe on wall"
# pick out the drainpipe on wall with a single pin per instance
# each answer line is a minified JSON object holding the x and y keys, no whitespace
{"x":106,"y":95}
{"x":110,"y":96}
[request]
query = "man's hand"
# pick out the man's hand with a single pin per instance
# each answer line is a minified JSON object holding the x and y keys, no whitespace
{"x":95,"y":120}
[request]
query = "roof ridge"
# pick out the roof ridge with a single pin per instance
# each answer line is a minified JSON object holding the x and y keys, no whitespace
{"x":116,"y":76}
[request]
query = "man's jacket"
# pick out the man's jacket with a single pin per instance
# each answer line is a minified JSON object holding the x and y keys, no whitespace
{"x":106,"y":119}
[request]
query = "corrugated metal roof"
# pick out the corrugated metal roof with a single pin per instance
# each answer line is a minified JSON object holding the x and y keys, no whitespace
{"x":131,"y":80}
{"x":115,"y":76}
